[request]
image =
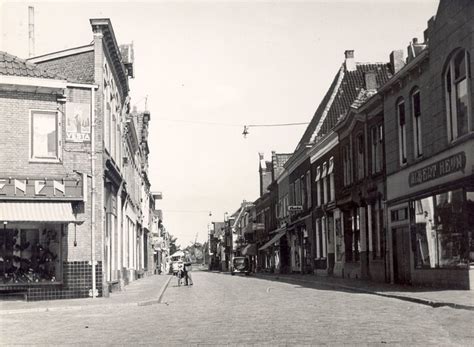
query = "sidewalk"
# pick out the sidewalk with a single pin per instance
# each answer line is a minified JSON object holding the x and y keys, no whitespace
{"x":145,"y":291}
{"x":434,"y":297}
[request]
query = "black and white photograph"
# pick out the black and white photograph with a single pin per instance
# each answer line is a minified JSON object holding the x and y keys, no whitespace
{"x":237,"y":173}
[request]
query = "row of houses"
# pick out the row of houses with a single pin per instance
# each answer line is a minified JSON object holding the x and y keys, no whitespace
{"x":79,"y":217}
{"x":381,"y":184}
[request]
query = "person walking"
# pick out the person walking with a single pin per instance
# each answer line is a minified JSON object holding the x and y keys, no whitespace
{"x":187,"y":269}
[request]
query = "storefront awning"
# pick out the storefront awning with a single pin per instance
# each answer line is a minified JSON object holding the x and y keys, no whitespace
{"x":273,"y":240}
{"x":33,"y":211}
{"x":250,"y":249}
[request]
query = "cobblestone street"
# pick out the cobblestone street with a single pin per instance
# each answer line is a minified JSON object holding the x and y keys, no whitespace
{"x":221,"y":309}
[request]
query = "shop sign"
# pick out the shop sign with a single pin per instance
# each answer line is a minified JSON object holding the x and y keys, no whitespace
{"x":78,"y":122}
{"x":295,"y":208}
{"x":454,"y":163}
{"x":41,"y":189}
{"x":258,"y":226}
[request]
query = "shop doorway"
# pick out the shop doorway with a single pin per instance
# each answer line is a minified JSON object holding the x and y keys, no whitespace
{"x":401,"y":255}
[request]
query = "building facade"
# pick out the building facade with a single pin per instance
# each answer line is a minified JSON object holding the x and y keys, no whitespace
{"x":429,"y":124}
{"x":76,"y":217}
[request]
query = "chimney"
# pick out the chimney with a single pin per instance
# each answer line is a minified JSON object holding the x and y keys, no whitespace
{"x":396,"y":61}
{"x":31,"y":30}
{"x":370,"y":80}
{"x":349,"y":62}
{"x":429,"y":29}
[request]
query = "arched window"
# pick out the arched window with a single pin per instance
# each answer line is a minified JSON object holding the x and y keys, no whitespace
{"x":457,"y":84}
{"x":416,"y":115}
{"x":402,"y":131}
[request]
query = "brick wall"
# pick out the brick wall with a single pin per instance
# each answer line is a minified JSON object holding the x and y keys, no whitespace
{"x":452,"y":29}
{"x":77,"y":68}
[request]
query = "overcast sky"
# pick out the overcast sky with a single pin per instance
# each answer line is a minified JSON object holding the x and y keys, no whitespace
{"x":208,"y":68}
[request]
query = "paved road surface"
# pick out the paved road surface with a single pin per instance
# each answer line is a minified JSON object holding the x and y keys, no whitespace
{"x":221,"y":309}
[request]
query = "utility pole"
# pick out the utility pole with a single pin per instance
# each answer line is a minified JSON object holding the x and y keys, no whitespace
{"x":31,"y":31}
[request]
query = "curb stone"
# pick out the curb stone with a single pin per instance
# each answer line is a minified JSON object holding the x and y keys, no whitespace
{"x":427,"y":302}
{"x":88,"y":305}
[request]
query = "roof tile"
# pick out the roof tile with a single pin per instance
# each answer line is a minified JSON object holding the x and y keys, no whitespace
{"x":344,"y":93}
{"x":11,"y":65}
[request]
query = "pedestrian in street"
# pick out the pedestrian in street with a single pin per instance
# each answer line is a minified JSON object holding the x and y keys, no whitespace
{"x":187,"y":269}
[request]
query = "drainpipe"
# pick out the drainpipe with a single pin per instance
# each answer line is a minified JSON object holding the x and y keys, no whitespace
{"x":93,"y":195}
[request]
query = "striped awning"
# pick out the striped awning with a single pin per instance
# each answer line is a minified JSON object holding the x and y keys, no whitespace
{"x":34,"y":211}
{"x":273,"y":240}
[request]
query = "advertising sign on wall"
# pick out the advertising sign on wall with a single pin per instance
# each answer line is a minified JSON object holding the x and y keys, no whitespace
{"x":78,"y":122}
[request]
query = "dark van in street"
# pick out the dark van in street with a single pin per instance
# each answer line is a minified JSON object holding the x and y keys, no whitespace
{"x":240,"y":265}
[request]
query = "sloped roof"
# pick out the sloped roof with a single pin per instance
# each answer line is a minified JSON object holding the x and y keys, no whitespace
{"x":343,"y":91}
{"x":11,"y":65}
{"x":281,"y":159}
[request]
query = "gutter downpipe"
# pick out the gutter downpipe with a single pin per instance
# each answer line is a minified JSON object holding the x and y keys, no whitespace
{"x":93,"y":196}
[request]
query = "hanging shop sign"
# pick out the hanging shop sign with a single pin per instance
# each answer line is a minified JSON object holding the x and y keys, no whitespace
{"x":41,"y":189}
{"x":454,"y":163}
{"x":78,"y":122}
{"x":295,"y":208}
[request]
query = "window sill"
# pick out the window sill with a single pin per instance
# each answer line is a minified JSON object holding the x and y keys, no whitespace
{"x":45,"y":161}
{"x":461,"y":139}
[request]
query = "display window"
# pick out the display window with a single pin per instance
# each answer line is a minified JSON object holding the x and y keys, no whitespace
{"x":30,"y":254}
{"x":442,"y":228}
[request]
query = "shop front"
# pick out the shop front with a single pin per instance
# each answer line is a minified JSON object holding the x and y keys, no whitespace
{"x":273,"y":251}
{"x":300,"y":245}
{"x":432,"y":228}
{"x":38,"y":221}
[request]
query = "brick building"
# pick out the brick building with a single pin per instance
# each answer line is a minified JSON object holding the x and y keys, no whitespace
{"x":429,"y":128}
{"x":46,"y":184}
{"x":74,"y":185}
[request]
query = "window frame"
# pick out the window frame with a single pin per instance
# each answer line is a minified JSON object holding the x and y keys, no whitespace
{"x":451,"y":95}
{"x":347,"y":164}
{"x":402,"y":134}
{"x":360,"y":156}
{"x":31,"y":157}
{"x":417,"y":126}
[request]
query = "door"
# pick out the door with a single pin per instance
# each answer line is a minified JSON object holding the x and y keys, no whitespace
{"x":401,"y":255}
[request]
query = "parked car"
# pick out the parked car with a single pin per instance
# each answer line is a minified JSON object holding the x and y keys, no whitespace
{"x":240,"y":265}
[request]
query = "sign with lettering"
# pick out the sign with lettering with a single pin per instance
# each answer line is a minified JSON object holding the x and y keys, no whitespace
{"x":78,"y":122}
{"x":295,"y":208}
{"x":454,"y":163}
{"x":41,"y":189}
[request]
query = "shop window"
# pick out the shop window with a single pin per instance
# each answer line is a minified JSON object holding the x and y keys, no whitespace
{"x":416,"y":112}
{"x":441,"y":230}
{"x":30,"y":256}
{"x":351,"y":235}
{"x":402,"y":141}
{"x":324,"y":238}
{"x":376,"y":225}
{"x":457,"y":86}
{"x":44,"y":137}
